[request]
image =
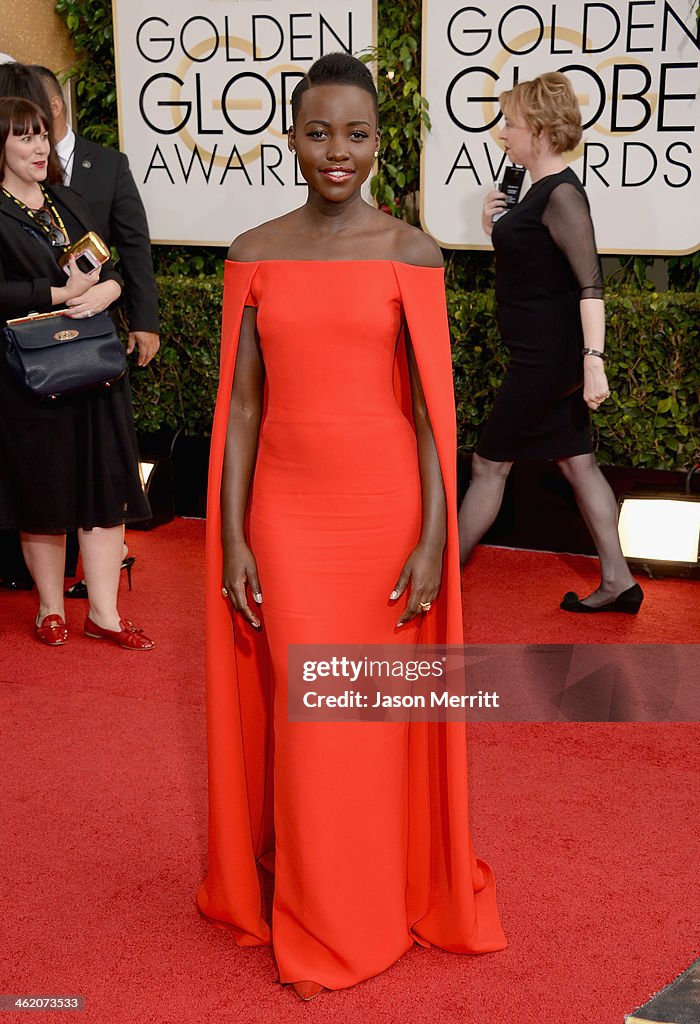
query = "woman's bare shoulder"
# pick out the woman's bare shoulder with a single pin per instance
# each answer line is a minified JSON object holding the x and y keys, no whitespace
{"x":261,"y":242}
{"x":411,"y":245}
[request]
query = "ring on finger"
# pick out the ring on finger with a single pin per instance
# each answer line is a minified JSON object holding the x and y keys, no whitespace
{"x":224,"y":592}
{"x":425,"y":606}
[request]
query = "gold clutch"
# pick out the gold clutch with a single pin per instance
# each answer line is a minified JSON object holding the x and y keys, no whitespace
{"x":90,"y":252}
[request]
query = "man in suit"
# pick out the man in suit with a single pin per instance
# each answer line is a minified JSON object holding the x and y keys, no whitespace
{"x":102,"y":178}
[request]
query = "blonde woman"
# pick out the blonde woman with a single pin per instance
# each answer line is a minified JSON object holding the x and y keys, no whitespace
{"x":549,"y":294}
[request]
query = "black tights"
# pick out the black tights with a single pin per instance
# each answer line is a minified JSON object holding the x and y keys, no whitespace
{"x":595,"y":500}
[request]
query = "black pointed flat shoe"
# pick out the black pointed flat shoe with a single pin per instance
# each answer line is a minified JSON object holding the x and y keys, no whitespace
{"x":629,"y":602}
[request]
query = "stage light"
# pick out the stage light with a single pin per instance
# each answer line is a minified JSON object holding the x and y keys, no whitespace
{"x":147,"y":468}
{"x":157,"y":480}
{"x":660,"y":528}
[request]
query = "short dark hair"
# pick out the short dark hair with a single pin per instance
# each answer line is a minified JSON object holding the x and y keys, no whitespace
{"x":19,"y":117}
{"x":335,"y":69}
{"x":48,"y":76}
{"x":24,"y":82}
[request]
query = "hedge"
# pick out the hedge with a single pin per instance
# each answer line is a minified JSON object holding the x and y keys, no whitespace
{"x":650,"y":421}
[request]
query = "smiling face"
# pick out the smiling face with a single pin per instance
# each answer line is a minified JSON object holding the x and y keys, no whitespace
{"x":25,"y":158}
{"x":335,"y":137}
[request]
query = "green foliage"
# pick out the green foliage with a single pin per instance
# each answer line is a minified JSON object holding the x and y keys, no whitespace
{"x":90,"y":26}
{"x":403,"y":111}
{"x":650,"y":421}
{"x":191,"y":261}
{"x":684,"y":272}
{"x":178,"y":388}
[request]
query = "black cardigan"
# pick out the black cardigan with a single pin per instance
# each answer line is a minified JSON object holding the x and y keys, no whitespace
{"x":28,"y":269}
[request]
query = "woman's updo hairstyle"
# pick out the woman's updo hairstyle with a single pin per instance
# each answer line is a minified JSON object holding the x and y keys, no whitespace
{"x":335,"y":69}
{"x":548,"y":104}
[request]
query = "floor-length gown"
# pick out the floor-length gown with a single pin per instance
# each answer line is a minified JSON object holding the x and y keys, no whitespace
{"x":364,"y":824}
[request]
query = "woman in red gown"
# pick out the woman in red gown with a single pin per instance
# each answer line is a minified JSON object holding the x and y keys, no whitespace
{"x":332,"y":520}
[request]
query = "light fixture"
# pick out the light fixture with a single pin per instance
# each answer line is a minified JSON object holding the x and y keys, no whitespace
{"x":661,"y":531}
{"x":157,"y":481}
{"x":146,"y":466}
{"x":156,"y":469}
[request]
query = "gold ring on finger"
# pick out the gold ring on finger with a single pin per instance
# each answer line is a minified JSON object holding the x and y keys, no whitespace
{"x":425,"y":606}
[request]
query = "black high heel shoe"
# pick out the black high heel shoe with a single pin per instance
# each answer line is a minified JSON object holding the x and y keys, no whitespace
{"x":629,"y":602}
{"x":80,"y":589}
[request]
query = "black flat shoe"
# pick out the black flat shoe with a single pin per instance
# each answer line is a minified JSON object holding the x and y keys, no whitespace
{"x":629,"y":602}
{"x":80,"y":589}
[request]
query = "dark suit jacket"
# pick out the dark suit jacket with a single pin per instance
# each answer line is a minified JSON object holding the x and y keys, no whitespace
{"x":28,"y":267}
{"x":102,"y":178}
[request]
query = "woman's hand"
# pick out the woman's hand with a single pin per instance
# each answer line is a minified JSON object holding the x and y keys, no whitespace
{"x":595,"y":382}
{"x":495,"y":202}
{"x":94,"y":300}
{"x":77,"y":284}
{"x":423,"y":569}
{"x":240,"y":568}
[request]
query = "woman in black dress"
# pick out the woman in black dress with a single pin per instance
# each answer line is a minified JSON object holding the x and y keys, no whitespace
{"x":549,"y":294}
{"x":71,"y":463}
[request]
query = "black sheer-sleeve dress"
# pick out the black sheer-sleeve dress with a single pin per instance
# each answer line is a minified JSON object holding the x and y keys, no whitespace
{"x":546,"y":262}
{"x":71,"y":462}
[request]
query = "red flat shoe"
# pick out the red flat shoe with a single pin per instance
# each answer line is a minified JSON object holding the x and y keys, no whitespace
{"x":307,"y":990}
{"x":51,"y":631}
{"x":130,"y":637}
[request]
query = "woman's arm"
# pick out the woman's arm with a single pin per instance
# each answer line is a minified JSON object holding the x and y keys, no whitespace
{"x":595,"y":381}
{"x":245,"y":412}
{"x":38,"y":295}
{"x":568,"y":220}
{"x":423,"y":567}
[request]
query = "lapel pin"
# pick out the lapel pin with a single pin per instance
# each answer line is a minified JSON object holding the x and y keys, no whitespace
{"x":86,"y":163}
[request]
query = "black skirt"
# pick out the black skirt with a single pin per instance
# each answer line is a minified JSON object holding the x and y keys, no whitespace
{"x":69,"y":462}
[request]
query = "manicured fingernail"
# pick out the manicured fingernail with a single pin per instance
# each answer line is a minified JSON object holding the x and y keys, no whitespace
{"x":393,"y":595}
{"x":258,"y":598}
{"x":399,"y":625}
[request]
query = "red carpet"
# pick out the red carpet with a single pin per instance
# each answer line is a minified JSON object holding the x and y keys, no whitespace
{"x":513,"y":597}
{"x":591,"y":829}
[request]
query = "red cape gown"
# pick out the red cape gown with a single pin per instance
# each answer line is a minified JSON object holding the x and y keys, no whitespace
{"x":369,"y":820}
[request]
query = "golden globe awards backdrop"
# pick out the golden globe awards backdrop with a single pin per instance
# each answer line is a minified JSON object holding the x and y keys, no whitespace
{"x":634,"y":66}
{"x":203,"y":89}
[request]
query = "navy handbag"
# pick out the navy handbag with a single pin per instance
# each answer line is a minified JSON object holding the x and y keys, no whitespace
{"x":53,"y":355}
